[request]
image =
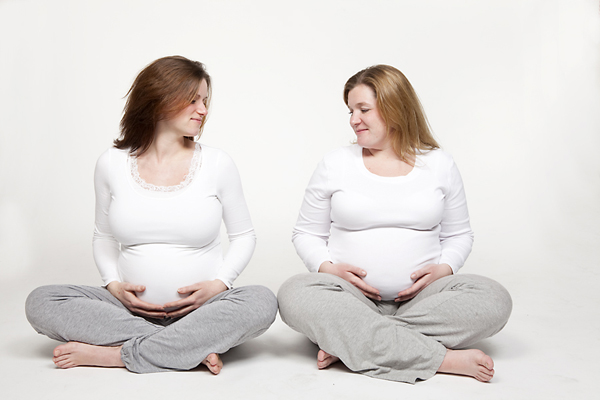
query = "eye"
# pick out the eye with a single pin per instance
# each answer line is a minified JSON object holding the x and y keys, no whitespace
{"x":364,"y":110}
{"x":193,"y":101}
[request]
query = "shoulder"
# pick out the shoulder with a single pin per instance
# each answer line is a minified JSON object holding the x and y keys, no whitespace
{"x":110,"y":157}
{"x":108,"y":163}
{"x":436,"y":160}
{"x":441,"y":165}
{"x":342,"y":155}
{"x":213,"y":157}
{"x":336,"y":164}
{"x":213,"y":153}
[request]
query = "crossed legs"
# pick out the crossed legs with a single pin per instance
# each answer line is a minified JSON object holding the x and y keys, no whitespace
{"x":100,"y":331}
{"x":398,"y":341}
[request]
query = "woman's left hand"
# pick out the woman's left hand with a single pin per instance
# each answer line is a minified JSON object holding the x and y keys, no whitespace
{"x":199,"y":293}
{"x":423,"y":278}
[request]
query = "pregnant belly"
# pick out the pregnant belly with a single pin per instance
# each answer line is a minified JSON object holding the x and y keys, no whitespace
{"x":388,"y":255}
{"x":163,"y":269}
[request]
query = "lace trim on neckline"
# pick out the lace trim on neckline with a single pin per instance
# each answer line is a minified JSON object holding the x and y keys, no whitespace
{"x":187,"y":179}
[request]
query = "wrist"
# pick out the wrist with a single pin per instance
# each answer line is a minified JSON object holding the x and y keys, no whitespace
{"x":324,"y":266}
{"x":448,"y":269}
{"x":220,"y":285}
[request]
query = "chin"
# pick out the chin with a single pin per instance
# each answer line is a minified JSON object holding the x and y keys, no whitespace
{"x":362,"y":143}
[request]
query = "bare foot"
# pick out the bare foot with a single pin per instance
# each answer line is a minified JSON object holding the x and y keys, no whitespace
{"x":75,"y":354}
{"x":324,"y":359}
{"x":213,"y":363}
{"x":470,"y":362}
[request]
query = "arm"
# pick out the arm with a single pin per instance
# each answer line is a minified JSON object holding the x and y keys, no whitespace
{"x":456,"y":237}
{"x":106,"y":248}
{"x":311,"y":234}
{"x":242,"y":240}
{"x":236,"y":218}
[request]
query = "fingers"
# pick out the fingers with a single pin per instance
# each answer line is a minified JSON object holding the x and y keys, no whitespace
{"x":182,"y":307}
{"x":199,"y":293}
{"x":420,"y":273}
{"x":126,"y":294}
{"x":142,"y":305}
{"x":367,"y":290}
{"x":189,"y":289}
{"x":423,"y":278}
{"x":418,"y":285}
{"x":370,"y":295}
{"x":412,"y":291}
{"x":151,"y":314}
{"x":352,"y":274}
{"x":179,"y":303}
{"x":133,"y":288}
{"x":181,"y":311}
{"x":356,"y":271}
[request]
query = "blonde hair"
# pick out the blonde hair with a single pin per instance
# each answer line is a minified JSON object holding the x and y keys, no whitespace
{"x":399,"y":107}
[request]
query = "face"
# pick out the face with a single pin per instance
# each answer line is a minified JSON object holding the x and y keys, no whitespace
{"x":369,"y":127}
{"x":188,"y":121}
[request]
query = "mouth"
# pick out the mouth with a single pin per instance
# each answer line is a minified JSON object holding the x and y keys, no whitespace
{"x":199,"y":120}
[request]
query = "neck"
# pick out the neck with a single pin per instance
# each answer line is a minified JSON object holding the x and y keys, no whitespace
{"x":167,"y":147}
{"x":386,"y":152}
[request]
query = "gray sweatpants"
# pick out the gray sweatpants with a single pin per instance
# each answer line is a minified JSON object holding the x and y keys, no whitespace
{"x":397,"y":341}
{"x":92,"y":315}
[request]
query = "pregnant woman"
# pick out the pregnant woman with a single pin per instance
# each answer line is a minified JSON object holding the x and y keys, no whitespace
{"x":168,"y":301}
{"x":385,"y":224}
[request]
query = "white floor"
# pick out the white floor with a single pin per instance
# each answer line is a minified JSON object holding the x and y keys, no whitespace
{"x":548,"y":350}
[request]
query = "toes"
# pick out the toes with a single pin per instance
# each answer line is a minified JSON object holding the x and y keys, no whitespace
{"x":215,"y":369}
{"x":484,"y":375}
{"x":64,"y":349}
{"x":61,"y":358}
{"x":486,"y":361}
{"x":327,"y":361}
{"x":213,"y":363}
{"x":63,"y":363}
{"x":321,"y":355}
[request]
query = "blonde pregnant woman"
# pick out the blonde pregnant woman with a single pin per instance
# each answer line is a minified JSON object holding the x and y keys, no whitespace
{"x":384,"y":227}
{"x":168,"y":301}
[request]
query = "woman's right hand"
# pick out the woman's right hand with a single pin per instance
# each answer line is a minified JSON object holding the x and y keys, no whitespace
{"x":125,"y":293}
{"x":352,"y":274}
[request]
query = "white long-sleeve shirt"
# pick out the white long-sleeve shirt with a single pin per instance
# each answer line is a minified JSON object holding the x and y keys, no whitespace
{"x":388,"y":226}
{"x":167,"y":240}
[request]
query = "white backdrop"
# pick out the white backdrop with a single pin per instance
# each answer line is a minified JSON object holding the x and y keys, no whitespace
{"x":511,"y":88}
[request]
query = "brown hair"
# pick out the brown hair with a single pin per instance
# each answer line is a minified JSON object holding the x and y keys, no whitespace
{"x":399,"y":107}
{"x":160,"y":91}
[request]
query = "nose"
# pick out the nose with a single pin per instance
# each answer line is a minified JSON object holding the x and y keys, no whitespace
{"x":201,"y":108}
{"x":354,"y":119}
